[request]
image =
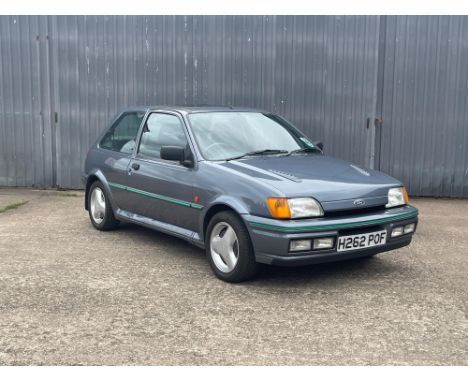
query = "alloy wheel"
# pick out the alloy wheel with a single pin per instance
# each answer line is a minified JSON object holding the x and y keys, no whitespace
{"x":224,"y":247}
{"x":98,"y":205}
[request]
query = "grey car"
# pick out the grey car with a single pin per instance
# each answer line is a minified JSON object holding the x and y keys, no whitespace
{"x":245,"y":185}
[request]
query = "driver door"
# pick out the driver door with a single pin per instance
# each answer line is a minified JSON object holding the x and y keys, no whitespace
{"x":162,"y":189}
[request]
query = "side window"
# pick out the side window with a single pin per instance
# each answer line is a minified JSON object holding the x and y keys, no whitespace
{"x":122,"y":135}
{"x":161,"y":130}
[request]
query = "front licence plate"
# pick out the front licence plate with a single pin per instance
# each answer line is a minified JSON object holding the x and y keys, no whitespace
{"x":365,"y":240}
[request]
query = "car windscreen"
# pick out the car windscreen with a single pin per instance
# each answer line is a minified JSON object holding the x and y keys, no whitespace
{"x":223,"y":135}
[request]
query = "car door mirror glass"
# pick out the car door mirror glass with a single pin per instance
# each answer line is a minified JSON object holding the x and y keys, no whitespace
{"x":175,"y":153}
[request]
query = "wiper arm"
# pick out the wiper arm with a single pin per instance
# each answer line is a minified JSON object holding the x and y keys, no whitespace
{"x":303,"y":150}
{"x":259,"y":152}
{"x":267,"y":151}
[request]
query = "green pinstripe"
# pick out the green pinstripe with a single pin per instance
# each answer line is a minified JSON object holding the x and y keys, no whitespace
{"x":156,"y":196}
{"x":334,"y":226}
{"x":267,"y":226}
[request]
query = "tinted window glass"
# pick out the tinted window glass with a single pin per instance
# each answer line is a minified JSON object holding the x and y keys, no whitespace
{"x":161,"y":130}
{"x":122,"y":135}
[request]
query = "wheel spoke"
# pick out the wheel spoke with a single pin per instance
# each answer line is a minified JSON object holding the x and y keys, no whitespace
{"x":216,"y":245}
{"x":93,"y":200}
{"x":224,"y":253}
{"x":230,"y":236}
{"x":94,"y":205}
{"x":230,"y":259}
{"x":101,"y":202}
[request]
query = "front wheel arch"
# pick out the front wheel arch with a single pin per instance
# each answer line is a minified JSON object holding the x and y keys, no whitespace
{"x":212,"y":211}
{"x":246,"y":266}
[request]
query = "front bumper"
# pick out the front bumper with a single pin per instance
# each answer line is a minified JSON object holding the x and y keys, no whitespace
{"x":271,"y":237}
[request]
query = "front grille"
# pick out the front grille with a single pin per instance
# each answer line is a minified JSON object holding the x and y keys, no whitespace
{"x":361,"y":230}
{"x":354,"y":212}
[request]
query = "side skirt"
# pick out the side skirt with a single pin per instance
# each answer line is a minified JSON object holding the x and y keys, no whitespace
{"x":170,"y":229}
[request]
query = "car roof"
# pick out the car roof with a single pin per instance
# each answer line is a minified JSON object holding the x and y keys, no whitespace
{"x":193,"y":109}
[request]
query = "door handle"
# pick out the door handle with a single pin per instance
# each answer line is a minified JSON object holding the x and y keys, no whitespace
{"x":136,"y":166}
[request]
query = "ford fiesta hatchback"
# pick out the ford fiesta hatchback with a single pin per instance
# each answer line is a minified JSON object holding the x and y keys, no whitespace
{"x":245,"y":185}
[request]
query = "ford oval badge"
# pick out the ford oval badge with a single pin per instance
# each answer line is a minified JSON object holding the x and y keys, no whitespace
{"x":359,"y":202}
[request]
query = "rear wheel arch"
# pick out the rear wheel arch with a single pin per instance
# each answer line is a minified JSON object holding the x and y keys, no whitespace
{"x":95,"y":176}
{"x":91,"y":179}
{"x":100,"y":211}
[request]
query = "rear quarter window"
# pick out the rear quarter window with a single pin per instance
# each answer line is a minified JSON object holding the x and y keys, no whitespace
{"x":122,"y":134}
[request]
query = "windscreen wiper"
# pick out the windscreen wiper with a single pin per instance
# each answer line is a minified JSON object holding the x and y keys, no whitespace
{"x":259,"y":152}
{"x":303,"y":150}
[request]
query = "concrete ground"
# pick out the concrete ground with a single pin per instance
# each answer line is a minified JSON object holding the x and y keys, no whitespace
{"x":70,"y":294}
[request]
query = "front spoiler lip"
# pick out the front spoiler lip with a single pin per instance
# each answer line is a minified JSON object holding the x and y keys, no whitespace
{"x":322,"y":224}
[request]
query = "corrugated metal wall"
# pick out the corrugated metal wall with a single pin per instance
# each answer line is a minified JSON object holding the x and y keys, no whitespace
{"x":26,"y":128}
{"x":325,"y":74}
{"x":424,"y":136}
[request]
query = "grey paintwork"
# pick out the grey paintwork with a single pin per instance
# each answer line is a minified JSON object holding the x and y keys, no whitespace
{"x":179,"y":200}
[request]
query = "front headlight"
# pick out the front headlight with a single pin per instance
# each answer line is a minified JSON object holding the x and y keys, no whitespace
{"x":283,"y":208}
{"x":397,"y":197}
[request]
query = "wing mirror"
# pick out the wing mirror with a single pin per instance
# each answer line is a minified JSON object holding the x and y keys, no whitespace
{"x":176,"y":153}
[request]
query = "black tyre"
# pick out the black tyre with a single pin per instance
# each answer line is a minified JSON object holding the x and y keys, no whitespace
{"x":99,"y":208}
{"x":229,"y":248}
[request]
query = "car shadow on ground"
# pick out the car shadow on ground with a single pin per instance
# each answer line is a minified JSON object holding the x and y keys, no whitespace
{"x":338,"y":270}
{"x":354,"y":268}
